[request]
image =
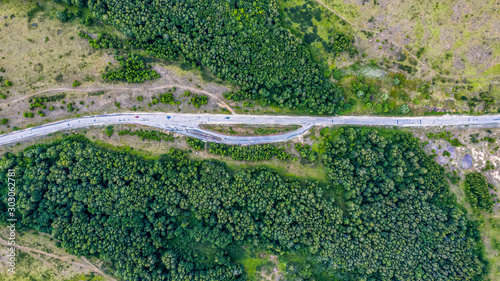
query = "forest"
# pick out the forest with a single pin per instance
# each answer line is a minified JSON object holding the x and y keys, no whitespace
{"x":179,"y":219}
{"x":241,"y":42}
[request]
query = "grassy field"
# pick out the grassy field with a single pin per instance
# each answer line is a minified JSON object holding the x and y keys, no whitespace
{"x":35,"y":266}
{"x":41,"y":51}
{"x":450,"y":47}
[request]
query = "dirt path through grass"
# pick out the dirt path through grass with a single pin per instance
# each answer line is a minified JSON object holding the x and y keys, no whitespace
{"x":131,"y":88}
{"x":68,"y":259}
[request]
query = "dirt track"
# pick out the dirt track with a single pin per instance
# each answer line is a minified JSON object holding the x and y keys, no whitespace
{"x":68,"y":259}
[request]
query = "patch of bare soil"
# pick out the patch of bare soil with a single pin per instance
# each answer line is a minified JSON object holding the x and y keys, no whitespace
{"x":272,"y":271}
{"x":478,"y":54}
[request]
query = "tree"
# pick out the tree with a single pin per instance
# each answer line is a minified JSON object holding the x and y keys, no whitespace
{"x":245,"y":41}
{"x":196,"y":144}
{"x":404,"y":109}
{"x":133,"y":69}
{"x":476,"y":189}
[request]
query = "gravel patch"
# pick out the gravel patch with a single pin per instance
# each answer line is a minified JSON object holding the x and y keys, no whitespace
{"x":467,"y":162}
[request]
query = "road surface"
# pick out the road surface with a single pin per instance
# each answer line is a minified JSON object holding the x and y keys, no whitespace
{"x":188,"y":124}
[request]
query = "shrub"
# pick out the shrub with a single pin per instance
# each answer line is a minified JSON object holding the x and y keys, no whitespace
{"x":4,"y":121}
{"x":64,"y":15}
{"x":109,"y":131}
{"x":88,"y":21}
{"x":177,"y":154}
{"x":396,"y":81}
{"x":167,"y":98}
{"x":8,"y":83}
{"x":337,"y":74}
{"x":198,"y":101}
{"x":404,"y":109}
{"x":196,"y":144}
{"x":75,"y":83}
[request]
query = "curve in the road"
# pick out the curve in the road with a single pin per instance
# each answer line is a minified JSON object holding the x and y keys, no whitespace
{"x":188,"y":124}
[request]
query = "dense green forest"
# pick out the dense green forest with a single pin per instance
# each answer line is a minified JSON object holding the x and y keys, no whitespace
{"x":476,"y":189}
{"x":242,"y":42}
{"x":185,"y":220}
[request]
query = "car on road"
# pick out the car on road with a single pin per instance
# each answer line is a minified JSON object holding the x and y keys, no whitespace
{"x":137,"y":117}
{"x":168,"y":117}
{"x":227,"y":118}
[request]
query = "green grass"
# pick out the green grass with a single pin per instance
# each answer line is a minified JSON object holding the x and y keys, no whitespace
{"x":315,"y":25}
{"x":250,"y":265}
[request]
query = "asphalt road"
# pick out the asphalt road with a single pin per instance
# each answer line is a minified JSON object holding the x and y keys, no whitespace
{"x":187,"y":124}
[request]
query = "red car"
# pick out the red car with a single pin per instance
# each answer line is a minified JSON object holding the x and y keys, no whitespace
{"x":137,"y":117}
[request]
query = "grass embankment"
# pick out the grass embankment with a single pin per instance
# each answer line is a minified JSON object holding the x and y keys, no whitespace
{"x":249,"y":130}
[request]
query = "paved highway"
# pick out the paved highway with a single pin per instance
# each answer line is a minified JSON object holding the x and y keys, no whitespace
{"x":188,"y":124}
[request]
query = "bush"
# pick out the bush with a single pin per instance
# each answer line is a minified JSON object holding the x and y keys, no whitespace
{"x":396,"y":81}
{"x":167,"y":98}
{"x":306,"y":152}
{"x":196,"y":144}
{"x":88,"y":21}
{"x":109,"y":131}
{"x":446,"y":153}
{"x":476,"y":189}
{"x":29,"y":114}
{"x":75,"y":83}
{"x":233,"y":96}
{"x":133,"y":69}
{"x":177,"y":154}
{"x":4,"y":121}
{"x":64,"y":15}
{"x":404,"y":109}
{"x":337,"y":74}
{"x":198,"y":101}
{"x":8,"y":83}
